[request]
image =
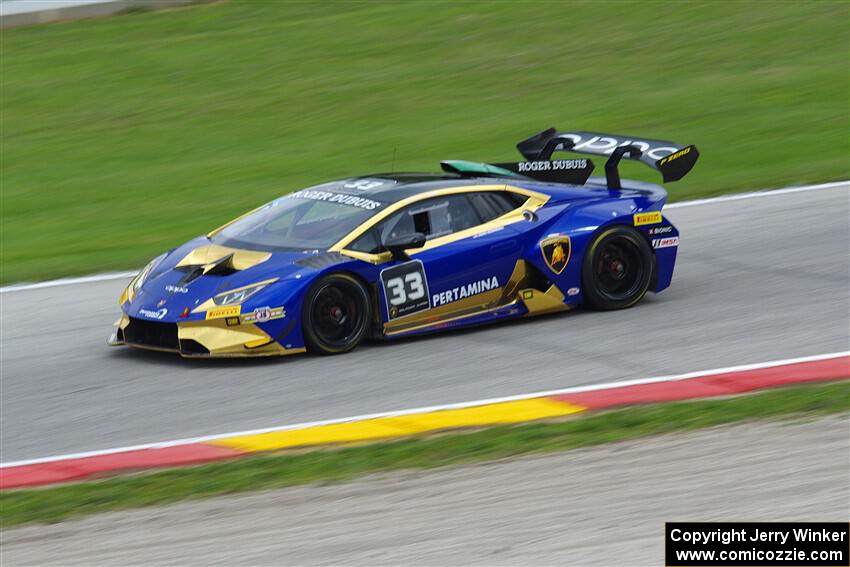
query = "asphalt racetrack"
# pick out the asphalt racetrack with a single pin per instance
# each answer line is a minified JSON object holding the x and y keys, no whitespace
{"x":757,"y":279}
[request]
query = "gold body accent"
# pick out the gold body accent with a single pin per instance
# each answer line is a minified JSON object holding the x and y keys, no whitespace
{"x":541,"y":302}
{"x":222,"y":340}
{"x":466,"y":307}
{"x":209,"y":256}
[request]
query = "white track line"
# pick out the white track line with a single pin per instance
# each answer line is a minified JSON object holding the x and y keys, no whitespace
{"x":696,"y":202}
{"x":70,"y":281}
{"x":572,"y":390}
{"x":755,"y":194}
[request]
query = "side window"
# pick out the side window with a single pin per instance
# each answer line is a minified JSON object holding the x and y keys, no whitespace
{"x":369,"y":242}
{"x":433,"y":217}
{"x":493,"y":204}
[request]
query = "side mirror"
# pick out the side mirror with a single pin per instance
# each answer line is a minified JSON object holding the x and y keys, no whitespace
{"x":398,"y":244}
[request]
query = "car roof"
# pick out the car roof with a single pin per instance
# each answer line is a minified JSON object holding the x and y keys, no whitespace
{"x":394,"y":187}
{"x":390,"y":188}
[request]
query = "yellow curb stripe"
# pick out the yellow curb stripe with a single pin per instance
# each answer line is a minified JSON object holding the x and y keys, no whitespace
{"x":490,"y":414}
{"x":318,"y":435}
{"x":402,"y":426}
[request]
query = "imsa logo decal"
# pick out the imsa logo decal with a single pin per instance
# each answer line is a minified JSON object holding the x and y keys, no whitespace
{"x":556,"y":252}
{"x":670,"y":242}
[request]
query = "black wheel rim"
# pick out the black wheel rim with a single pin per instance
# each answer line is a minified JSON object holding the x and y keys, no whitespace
{"x":337,"y":313}
{"x":619,"y":269}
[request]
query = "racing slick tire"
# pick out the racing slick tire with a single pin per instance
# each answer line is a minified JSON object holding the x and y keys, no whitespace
{"x":617,"y":269}
{"x":336,"y":314}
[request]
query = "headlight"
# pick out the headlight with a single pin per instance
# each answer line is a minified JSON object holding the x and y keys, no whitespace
{"x":239,"y":295}
{"x":140,"y":279}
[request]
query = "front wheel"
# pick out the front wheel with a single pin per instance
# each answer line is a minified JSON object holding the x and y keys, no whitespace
{"x":617,"y":269}
{"x":336,"y":314}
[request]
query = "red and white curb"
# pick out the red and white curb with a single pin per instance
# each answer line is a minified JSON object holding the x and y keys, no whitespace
{"x":405,"y":423}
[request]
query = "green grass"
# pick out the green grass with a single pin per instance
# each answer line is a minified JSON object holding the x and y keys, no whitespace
{"x":276,"y":471}
{"x":124,"y":136}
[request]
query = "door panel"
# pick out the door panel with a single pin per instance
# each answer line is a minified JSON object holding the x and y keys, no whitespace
{"x":473,"y":244}
{"x":464,"y":277}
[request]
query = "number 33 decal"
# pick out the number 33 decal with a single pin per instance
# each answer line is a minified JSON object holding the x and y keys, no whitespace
{"x":410,"y":287}
{"x":405,"y":289}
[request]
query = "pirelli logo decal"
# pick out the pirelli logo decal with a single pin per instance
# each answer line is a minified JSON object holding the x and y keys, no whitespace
{"x":647,"y":218}
{"x":218,"y":313}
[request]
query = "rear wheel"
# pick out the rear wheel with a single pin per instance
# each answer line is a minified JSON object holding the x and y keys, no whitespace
{"x":336,"y":314}
{"x":617,"y":269}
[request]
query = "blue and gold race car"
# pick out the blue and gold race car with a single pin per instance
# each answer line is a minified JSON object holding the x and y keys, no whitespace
{"x":394,"y":255}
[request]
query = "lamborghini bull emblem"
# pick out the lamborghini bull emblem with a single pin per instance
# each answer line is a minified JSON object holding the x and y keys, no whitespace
{"x":556,"y":252}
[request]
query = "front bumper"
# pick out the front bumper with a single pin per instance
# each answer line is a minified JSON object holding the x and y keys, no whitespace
{"x":213,"y":338}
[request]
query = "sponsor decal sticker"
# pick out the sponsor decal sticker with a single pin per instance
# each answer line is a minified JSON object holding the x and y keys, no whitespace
{"x":669,"y":242}
{"x":527,"y":293}
{"x":556,"y":252}
{"x":659,"y":230}
{"x":487,"y":232}
{"x":366,"y":184}
{"x":554,"y":165}
{"x":573,"y":291}
{"x":647,"y":218}
{"x":176,"y":289}
{"x":405,"y":289}
{"x":671,"y":157}
{"x":263,"y":314}
{"x":219,"y":312}
{"x":232,"y":321}
{"x":342,"y":198}
{"x":153,"y":314}
{"x":470,"y":289}
{"x":596,"y":144}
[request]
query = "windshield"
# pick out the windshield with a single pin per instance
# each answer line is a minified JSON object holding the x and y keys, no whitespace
{"x":305,"y":220}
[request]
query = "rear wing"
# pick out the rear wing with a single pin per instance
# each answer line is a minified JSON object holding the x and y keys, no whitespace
{"x":574,"y":171}
{"x":674,"y":161}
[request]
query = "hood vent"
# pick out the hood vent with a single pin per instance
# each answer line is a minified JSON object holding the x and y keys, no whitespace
{"x":192,"y":273}
{"x":214,"y":260}
{"x":221,"y":267}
